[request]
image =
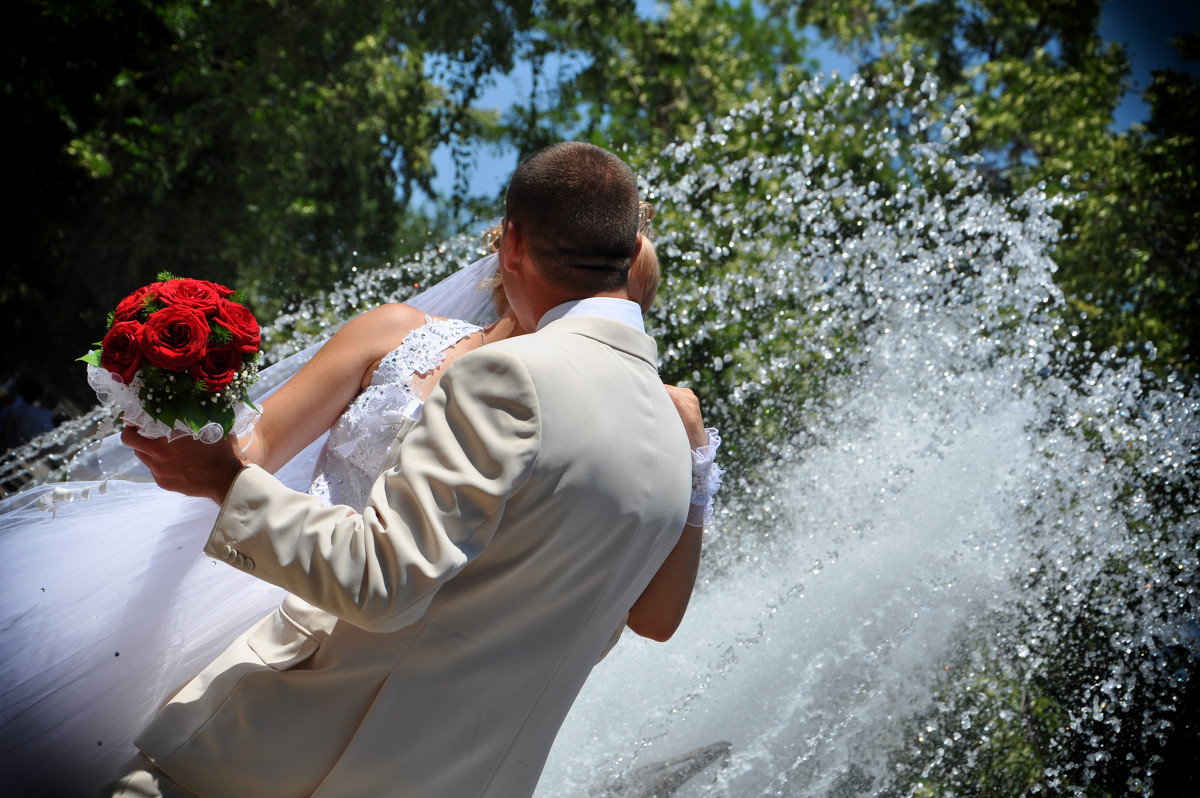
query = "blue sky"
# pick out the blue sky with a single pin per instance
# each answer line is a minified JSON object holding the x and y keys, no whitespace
{"x":1144,"y":26}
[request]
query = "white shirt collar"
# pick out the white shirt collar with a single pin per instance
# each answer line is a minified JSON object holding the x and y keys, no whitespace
{"x":607,"y":307}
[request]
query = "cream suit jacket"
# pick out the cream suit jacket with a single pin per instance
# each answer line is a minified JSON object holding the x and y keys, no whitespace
{"x":433,"y":644}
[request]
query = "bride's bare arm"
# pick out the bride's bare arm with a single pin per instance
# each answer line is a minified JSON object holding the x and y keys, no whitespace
{"x":311,"y":401}
{"x":659,"y":610}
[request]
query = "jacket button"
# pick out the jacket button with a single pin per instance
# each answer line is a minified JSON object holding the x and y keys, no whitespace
{"x":241,"y":560}
{"x":249,"y":564}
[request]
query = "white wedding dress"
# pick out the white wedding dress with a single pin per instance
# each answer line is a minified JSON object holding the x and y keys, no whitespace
{"x":109,"y":605}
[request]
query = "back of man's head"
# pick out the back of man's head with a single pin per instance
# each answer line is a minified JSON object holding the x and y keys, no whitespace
{"x":577,"y":208}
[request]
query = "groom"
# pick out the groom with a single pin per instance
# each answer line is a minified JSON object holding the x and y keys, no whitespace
{"x":433,"y":643}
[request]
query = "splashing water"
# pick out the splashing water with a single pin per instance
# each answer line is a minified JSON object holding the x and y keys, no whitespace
{"x":962,"y":549}
{"x":970,"y":564}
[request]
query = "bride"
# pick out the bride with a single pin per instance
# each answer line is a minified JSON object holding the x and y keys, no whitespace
{"x":107,"y":604}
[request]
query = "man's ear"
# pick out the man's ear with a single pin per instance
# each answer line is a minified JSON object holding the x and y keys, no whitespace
{"x":637,"y":249}
{"x":513,"y":243}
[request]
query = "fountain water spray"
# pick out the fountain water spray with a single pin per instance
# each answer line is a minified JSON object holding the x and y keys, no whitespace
{"x":958,"y":551}
{"x":962,"y":555}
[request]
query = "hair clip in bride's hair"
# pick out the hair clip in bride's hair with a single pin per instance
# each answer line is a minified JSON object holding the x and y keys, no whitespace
{"x":491,"y":239}
{"x":645,"y":214}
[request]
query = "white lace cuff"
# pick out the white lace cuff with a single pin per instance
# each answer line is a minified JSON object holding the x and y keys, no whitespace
{"x":706,"y":479}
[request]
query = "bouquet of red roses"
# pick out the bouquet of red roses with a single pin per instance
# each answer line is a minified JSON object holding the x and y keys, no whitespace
{"x":178,"y":358}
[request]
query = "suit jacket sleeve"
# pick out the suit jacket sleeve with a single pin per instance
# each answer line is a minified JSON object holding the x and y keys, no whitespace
{"x":427,"y":517}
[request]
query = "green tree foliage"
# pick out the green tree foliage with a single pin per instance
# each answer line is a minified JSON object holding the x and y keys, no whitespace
{"x":1132,"y":261}
{"x":1040,"y":83}
{"x":1042,"y":87}
{"x":277,"y":145}
{"x":638,"y":83}
{"x":256,"y":143}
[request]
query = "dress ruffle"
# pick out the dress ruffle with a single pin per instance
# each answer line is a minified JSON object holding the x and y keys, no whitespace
{"x":125,"y":401}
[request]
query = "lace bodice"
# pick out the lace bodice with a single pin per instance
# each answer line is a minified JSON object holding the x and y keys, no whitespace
{"x":359,"y":440}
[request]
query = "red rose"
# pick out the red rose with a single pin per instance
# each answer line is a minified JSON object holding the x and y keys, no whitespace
{"x":222,"y":291}
{"x":121,"y":352}
{"x":241,"y":324}
{"x":174,"y":337}
{"x":130,"y":308}
{"x":218,"y":367}
{"x":188,"y":293}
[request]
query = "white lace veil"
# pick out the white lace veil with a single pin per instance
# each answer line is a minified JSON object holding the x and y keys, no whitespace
{"x":466,"y":294}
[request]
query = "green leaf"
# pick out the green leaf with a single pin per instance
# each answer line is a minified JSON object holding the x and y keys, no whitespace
{"x":219,"y":335}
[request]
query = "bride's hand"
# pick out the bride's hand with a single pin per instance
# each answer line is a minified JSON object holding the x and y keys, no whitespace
{"x":689,"y":410}
{"x":187,"y":465}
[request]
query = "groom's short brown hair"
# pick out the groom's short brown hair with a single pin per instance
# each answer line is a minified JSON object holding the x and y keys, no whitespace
{"x":577,"y":207}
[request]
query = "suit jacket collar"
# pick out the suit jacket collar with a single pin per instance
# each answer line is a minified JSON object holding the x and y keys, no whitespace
{"x":608,"y":307}
{"x":618,"y":335}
